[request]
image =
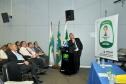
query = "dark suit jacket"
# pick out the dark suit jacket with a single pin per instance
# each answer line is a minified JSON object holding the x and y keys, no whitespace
{"x":72,"y":46}
{"x":12,"y":57}
{"x":13,"y":67}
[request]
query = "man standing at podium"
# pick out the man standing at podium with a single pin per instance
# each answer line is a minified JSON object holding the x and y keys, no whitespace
{"x":75,"y":49}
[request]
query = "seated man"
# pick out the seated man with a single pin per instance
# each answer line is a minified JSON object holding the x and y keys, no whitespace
{"x":17,"y":43}
{"x":13,"y":56}
{"x":38,"y":50}
{"x":26,"y":52}
{"x":32,"y":51}
{"x":7,"y":46}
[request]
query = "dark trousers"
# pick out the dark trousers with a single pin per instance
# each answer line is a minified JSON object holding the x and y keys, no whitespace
{"x":45,"y":60}
{"x":28,"y":68}
{"x":38,"y":62}
{"x":42,"y":61}
{"x":31,"y":67}
{"x":76,"y":60}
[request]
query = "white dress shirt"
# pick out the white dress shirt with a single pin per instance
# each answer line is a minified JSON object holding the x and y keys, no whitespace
{"x":19,"y":56}
{"x":76,"y":47}
{"x":31,"y":51}
{"x":24,"y":51}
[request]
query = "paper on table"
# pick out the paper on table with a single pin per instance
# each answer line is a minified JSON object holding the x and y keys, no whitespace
{"x":106,"y":65}
{"x":102,"y":75}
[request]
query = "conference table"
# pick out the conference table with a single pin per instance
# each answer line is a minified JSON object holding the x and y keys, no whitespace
{"x":95,"y":78}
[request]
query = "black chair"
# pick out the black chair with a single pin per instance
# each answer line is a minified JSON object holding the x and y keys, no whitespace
{"x":2,"y":62}
{"x":121,"y":58}
{"x":11,"y":72}
{"x":5,"y":73}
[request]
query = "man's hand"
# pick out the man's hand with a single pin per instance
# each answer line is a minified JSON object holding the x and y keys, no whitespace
{"x":40,"y":53}
{"x":33,"y":56}
{"x":26,"y":62}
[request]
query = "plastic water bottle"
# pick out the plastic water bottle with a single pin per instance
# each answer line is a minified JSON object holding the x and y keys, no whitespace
{"x":112,"y":79}
{"x":98,"y":60}
{"x":111,"y":76}
{"x":103,"y":63}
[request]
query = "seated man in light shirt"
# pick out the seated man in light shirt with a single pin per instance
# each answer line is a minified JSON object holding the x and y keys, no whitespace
{"x":26,"y":52}
{"x":14,"y":56}
{"x":23,"y":50}
{"x":42,"y":54}
{"x":30,"y":48}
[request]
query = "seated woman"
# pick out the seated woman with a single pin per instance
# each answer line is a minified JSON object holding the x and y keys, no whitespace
{"x":42,"y":54}
{"x":3,"y":56}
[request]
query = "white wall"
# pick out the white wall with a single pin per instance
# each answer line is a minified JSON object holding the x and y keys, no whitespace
{"x":31,"y":19}
{"x":117,"y":9}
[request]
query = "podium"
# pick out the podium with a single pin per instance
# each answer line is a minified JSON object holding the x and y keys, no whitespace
{"x":68,"y":62}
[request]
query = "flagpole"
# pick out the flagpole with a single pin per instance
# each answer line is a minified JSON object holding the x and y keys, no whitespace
{"x":65,"y":27}
{"x":56,"y":66}
{"x":51,"y":46}
{"x":49,"y":42}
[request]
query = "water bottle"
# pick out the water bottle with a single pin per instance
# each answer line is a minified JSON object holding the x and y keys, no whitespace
{"x":112,"y":79}
{"x":111,"y":76}
{"x":103,"y":63}
{"x":98,"y":60}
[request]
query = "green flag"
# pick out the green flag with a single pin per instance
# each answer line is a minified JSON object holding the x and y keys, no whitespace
{"x":66,"y":37}
{"x":51,"y":46}
{"x":58,"y":51}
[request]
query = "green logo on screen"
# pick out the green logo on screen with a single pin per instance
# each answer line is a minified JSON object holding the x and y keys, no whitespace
{"x":106,"y":34}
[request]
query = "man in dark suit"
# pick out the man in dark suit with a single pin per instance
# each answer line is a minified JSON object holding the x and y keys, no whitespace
{"x":75,"y":49}
{"x":23,"y":65}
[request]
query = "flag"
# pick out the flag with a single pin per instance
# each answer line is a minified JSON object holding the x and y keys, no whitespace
{"x":51,"y":46}
{"x":58,"y":51}
{"x":66,"y":36}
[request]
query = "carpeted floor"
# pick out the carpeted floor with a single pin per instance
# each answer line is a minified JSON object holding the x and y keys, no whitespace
{"x":53,"y":76}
